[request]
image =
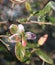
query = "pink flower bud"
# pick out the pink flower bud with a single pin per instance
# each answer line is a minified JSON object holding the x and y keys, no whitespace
{"x":14,"y":38}
{"x":24,"y":43}
{"x":42,"y":39}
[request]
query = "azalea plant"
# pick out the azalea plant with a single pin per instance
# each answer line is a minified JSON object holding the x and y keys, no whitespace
{"x":20,"y":38}
{"x":22,"y":46}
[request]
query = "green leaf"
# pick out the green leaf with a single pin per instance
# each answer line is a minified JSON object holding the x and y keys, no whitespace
{"x":31,"y":45}
{"x":28,"y":7}
{"x":22,"y":54}
{"x":44,"y":11}
{"x":52,"y":19}
{"x":26,"y":60}
{"x":19,"y":51}
{"x":22,"y":20}
{"x":41,"y":18}
{"x":27,"y":57}
{"x":44,"y":56}
{"x":47,"y":8}
{"x":13,"y":28}
{"x":52,"y":5}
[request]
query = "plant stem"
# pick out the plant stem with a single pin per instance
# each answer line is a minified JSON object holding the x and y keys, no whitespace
{"x":7,"y":45}
{"x":43,"y":63}
{"x":3,"y":22}
{"x":32,"y":22}
{"x":36,"y":22}
{"x":33,"y":51}
{"x":4,"y":36}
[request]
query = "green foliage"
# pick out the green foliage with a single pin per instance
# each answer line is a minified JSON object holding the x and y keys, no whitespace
{"x":44,"y":56}
{"x":22,"y":20}
{"x":24,"y":49}
{"x":52,"y":5}
{"x":28,"y":7}
{"x":22,"y":53}
{"x":13,"y":28}
{"x":44,"y":11}
{"x":19,"y":51}
{"x":27,"y":57}
{"x":52,"y":19}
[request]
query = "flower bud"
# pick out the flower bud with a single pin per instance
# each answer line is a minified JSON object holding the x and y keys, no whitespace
{"x":14,"y":38}
{"x":24,"y":43}
{"x":13,"y":29}
{"x":30,"y":36}
{"x":20,"y":28}
{"x":42,"y":39}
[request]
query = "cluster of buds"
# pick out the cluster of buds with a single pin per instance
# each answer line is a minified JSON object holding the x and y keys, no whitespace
{"x":16,"y":32}
{"x":19,"y":35}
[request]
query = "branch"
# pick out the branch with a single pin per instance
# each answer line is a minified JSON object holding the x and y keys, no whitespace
{"x":4,"y":36}
{"x":31,"y":22}
{"x":3,"y":22}
{"x":36,"y":22}
{"x":33,"y":50}
{"x":18,"y":1}
{"x":43,"y":63}
{"x":7,"y":45}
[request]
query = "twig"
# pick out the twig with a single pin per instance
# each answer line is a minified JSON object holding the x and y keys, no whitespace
{"x":33,"y":50}
{"x":32,"y":22}
{"x":13,"y":4}
{"x":43,"y":63}
{"x":4,"y":36}
{"x":3,"y":22}
{"x":18,"y":2}
{"x":36,"y":22}
{"x":4,"y":43}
